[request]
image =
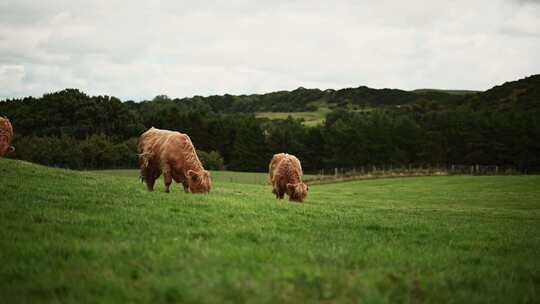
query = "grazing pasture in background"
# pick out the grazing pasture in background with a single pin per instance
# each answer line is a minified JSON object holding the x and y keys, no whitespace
{"x":463,"y":239}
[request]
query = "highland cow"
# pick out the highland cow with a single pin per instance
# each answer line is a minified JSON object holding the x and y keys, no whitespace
{"x":285,"y":175}
{"x":173,"y":155}
{"x":6,"y":134}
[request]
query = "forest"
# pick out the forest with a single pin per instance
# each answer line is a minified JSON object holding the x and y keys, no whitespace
{"x":366,"y":126}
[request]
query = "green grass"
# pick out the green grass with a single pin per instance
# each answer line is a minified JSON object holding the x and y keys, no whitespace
{"x":67,"y":236}
{"x":257,"y":178}
{"x":311,"y":119}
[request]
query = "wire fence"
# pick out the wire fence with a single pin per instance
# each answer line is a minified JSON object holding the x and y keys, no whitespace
{"x":333,"y":175}
{"x":374,"y":171}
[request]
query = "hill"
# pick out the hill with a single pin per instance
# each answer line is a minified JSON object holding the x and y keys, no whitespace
{"x":328,"y":129}
{"x":67,"y":236}
{"x":522,"y":94}
{"x":454,"y":92}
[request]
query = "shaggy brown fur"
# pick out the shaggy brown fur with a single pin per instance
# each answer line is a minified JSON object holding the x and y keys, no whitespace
{"x":285,"y":175}
{"x":6,"y":134}
{"x":173,"y":154}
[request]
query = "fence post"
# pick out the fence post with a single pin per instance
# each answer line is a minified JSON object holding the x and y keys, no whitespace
{"x":472,"y":170}
{"x":496,"y":170}
{"x":336,"y":172}
{"x":362,"y":170}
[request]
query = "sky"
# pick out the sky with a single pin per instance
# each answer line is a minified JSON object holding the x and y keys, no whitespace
{"x":139,"y":49}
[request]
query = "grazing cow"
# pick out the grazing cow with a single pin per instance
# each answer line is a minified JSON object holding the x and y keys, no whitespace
{"x":173,"y":154}
{"x":285,"y":175}
{"x":6,"y":134}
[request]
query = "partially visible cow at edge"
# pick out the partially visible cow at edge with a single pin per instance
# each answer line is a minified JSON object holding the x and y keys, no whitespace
{"x":285,"y":175}
{"x":173,"y":155}
{"x":6,"y":134}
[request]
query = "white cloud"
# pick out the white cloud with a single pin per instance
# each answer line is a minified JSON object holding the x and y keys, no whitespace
{"x":138,"y":49}
{"x":11,"y":75}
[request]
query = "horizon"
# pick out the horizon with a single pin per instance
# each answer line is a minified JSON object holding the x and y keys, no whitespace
{"x":240,"y":94}
{"x":263,"y":93}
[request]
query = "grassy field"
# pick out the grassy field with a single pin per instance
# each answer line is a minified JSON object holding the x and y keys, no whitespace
{"x":310,"y":118}
{"x":68,"y":236}
{"x":217,"y":176}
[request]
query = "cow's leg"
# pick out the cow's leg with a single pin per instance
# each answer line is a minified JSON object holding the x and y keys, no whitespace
{"x":149,"y":177}
{"x":275,"y":190}
{"x":167,"y":178}
{"x":280,"y":193}
{"x":150,"y":181}
{"x":186,"y":186}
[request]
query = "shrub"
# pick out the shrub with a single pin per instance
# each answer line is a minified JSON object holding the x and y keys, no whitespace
{"x":212,"y":160}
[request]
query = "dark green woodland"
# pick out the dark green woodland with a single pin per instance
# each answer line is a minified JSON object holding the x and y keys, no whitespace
{"x":364,"y":127}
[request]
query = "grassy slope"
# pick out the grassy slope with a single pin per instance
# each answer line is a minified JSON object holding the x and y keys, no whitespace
{"x":87,"y":237}
{"x":311,"y":119}
{"x":217,"y":176}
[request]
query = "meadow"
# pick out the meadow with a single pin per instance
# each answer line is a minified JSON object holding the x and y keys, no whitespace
{"x":69,"y":236}
{"x":217,"y":176}
{"x":311,"y":119}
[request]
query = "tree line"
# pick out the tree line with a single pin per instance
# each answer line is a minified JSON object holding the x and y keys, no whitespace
{"x":500,"y":126}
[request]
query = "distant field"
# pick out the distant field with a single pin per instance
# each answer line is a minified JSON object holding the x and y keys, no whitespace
{"x":84,"y":237}
{"x":217,"y":176}
{"x":311,"y":119}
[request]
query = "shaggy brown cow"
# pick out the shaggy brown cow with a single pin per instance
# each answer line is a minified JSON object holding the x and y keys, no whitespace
{"x":173,"y":154}
{"x":6,"y":134}
{"x":285,"y":175}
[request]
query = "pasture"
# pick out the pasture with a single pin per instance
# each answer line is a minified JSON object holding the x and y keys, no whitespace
{"x":68,"y":236}
{"x":217,"y":176}
{"x":311,"y":119}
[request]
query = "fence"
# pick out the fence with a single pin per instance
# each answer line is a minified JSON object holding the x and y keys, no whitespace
{"x":373,"y":171}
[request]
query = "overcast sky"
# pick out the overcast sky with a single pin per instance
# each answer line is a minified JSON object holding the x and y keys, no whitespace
{"x":139,"y":49}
